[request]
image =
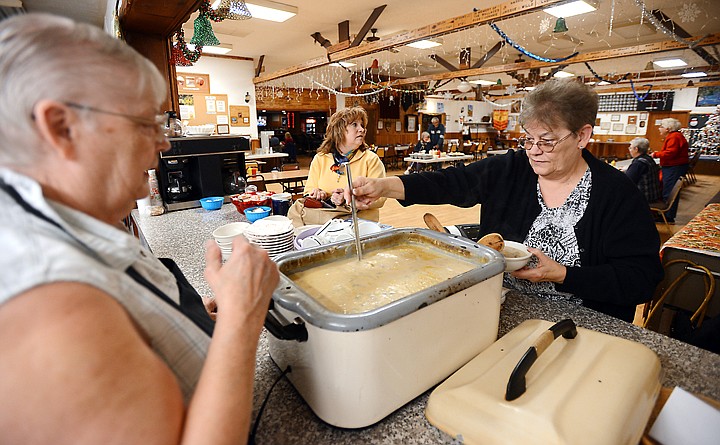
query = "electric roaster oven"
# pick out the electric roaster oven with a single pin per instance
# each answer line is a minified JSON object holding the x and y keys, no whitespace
{"x":364,"y":338}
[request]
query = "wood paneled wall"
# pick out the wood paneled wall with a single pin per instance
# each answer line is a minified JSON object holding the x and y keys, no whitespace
{"x":296,"y":100}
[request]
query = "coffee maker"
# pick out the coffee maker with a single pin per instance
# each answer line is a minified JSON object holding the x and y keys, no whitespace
{"x":199,"y":166}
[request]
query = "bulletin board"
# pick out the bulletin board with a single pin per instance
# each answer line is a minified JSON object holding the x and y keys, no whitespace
{"x":239,"y":116}
{"x":190,"y":83}
{"x":200,"y":109}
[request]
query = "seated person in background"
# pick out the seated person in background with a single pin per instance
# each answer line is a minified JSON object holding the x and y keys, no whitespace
{"x":589,"y":229}
{"x":289,"y":147}
{"x":274,"y":141}
{"x":422,"y":145}
{"x":643,"y":170}
{"x":93,"y":345}
{"x":344,"y":142}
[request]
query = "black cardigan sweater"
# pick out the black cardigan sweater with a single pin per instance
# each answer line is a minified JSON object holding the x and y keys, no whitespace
{"x":618,"y":241}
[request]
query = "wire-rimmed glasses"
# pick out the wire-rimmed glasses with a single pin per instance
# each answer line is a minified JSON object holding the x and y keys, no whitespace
{"x":544,"y":145}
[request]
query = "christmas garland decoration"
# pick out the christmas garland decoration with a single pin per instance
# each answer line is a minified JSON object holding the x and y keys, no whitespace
{"x":340,"y":93}
{"x":181,"y":54}
{"x":526,"y":52}
{"x":644,"y":96}
{"x":598,"y":77}
{"x":660,"y":27}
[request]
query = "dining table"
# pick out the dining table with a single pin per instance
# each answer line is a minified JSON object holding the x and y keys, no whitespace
{"x":417,"y":163}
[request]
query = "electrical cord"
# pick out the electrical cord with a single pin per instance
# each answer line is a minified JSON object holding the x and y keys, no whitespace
{"x":258,"y":416}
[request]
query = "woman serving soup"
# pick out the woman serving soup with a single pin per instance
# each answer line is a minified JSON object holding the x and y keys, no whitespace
{"x":589,"y":229}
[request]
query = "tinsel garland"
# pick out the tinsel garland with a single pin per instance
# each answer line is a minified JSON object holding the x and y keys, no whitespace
{"x":340,"y":93}
{"x":190,"y":56}
{"x":644,"y":96}
{"x":660,"y":27}
{"x":598,"y":77}
{"x":526,"y":52}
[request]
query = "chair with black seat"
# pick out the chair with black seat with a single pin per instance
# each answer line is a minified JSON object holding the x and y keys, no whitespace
{"x":662,"y":207}
{"x":390,"y":158}
{"x":258,"y":181}
{"x":296,"y":187}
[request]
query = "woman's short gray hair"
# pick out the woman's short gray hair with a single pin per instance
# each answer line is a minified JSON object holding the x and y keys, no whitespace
{"x":49,"y":57}
{"x":560,"y":102}
{"x":671,"y":124}
{"x":642,"y":145}
{"x":424,"y":135}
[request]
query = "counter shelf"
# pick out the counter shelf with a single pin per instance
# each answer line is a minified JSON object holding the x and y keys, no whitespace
{"x":288,"y":419}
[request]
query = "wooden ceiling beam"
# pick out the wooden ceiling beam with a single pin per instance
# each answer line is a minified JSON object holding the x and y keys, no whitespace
{"x":448,"y":66}
{"x":488,"y":55}
{"x":511,"y":8}
{"x":710,"y":39}
{"x":368,"y":24}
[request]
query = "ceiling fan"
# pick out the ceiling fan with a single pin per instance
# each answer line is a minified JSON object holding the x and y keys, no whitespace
{"x":373,"y":37}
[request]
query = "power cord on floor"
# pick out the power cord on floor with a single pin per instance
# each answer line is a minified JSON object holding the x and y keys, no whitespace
{"x":256,"y":423}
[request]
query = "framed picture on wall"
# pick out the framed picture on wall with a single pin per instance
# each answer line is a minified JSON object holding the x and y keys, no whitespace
{"x":223,"y":129}
{"x":381,"y":124}
{"x":642,"y":123}
{"x":398,"y":126}
{"x":604,"y":125}
{"x":615,"y":118}
{"x":631,"y":129}
{"x":411,"y":123}
{"x":643,"y":115}
{"x":618,"y":127}
{"x":632,"y":120}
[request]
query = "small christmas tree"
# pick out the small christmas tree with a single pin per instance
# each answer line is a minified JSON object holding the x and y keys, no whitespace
{"x":708,"y":138}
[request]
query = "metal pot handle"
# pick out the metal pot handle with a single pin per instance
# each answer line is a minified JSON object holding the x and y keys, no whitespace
{"x":516,"y":384}
{"x":289,"y":331}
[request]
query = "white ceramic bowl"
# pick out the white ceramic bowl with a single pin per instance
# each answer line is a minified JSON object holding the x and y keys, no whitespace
{"x":227,"y":232}
{"x":516,"y":255}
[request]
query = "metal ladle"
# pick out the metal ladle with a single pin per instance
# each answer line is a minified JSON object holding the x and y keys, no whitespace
{"x":356,"y":229}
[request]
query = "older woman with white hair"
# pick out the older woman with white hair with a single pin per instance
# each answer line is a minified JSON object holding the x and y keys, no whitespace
{"x":100,"y":342}
{"x":589,"y":229}
{"x":674,"y":160}
{"x":643,"y":170}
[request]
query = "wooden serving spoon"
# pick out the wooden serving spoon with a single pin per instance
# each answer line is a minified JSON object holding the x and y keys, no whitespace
{"x":493,"y":241}
{"x":433,"y":223}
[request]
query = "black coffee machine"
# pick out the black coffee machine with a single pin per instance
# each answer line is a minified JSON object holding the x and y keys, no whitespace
{"x":198,"y":167}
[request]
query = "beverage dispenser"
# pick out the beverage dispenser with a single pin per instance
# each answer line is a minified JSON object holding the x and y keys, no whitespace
{"x":198,"y":167}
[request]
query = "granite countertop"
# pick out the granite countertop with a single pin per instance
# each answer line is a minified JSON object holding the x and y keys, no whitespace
{"x":288,"y":419}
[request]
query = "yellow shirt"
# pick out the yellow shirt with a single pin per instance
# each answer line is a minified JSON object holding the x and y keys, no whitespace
{"x":364,"y":163}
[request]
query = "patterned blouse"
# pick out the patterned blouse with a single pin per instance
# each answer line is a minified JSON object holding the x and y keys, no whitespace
{"x":553,"y":233}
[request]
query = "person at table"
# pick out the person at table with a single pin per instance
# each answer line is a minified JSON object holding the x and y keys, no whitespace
{"x":437,"y":134}
{"x":274,"y":142}
{"x":344,"y":142}
{"x":97,"y":339}
{"x":289,"y":147}
{"x":643,"y":171}
{"x":421,"y":146}
{"x":674,"y":160}
{"x":590,"y":230}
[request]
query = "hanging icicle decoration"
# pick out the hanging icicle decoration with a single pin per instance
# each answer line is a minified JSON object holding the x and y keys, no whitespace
{"x":602,"y":79}
{"x":644,"y":96}
{"x":341,"y":93}
{"x":612,"y":16}
{"x":526,"y":52}
{"x":660,"y":27}
{"x":485,"y":99}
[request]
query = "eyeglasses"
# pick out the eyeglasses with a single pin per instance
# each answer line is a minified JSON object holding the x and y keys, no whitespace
{"x":156,"y":124}
{"x":543,"y":145}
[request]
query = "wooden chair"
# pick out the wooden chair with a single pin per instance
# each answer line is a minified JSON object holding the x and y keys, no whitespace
{"x":689,"y":177}
{"x":390,"y":158}
{"x":258,"y":181}
{"x":661,"y":208}
{"x":295,"y":187}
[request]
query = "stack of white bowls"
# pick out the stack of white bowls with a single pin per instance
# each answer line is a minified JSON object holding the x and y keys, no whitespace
{"x":274,"y":234}
{"x":224,"y":236}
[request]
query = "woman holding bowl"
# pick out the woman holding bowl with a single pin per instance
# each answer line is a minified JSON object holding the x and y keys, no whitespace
{"x":344,"y":142}
{"x":588,"y":227}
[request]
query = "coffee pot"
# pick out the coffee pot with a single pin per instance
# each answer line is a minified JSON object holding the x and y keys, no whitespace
{"x":234,"y":183}
{"x":178,"y":188}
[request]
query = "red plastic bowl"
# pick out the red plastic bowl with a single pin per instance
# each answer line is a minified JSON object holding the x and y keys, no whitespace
{"x":245,"y":201}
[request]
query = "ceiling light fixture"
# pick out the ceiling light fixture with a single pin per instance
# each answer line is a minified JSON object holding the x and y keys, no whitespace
{"x":269,"y":10}
{"x":561,"y":74}
{"x":603,"y":82}
{"x":464,"y":86}
{"x":694,"y":74}
{"x":670,"y":63}
{"x":570,"y":9}
{"x":222,"y":48}
{"x":343,"y":64}
{"x":483,"y":82}
{"x":423,"y":44}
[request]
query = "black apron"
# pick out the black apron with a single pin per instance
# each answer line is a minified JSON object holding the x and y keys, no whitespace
{"x":191,"y":304}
